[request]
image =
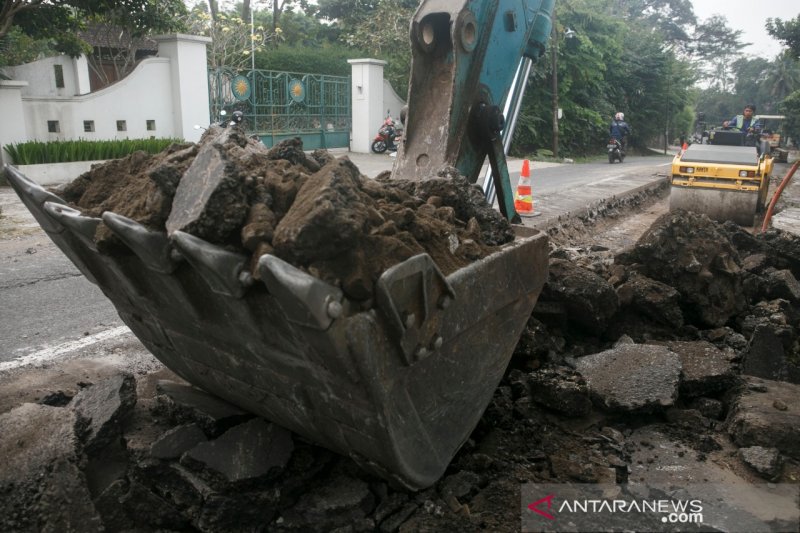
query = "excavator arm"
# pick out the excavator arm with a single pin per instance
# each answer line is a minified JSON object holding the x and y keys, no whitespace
{"x":464,"y":59}
{"x":398,"y":386}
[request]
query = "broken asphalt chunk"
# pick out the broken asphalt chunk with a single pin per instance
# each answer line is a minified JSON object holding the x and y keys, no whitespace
{"x":766,"y":461}
{"x":707,"y":370}
{"x":753,"y":419}
{"x":102,"y":408}
{"x":251,"y":451}
{"x":632,"y":377}
{"x":187,"y":404}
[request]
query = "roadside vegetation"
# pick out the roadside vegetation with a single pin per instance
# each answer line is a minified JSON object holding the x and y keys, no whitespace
{"x":670,"y":73}
{"x":36,"y":152}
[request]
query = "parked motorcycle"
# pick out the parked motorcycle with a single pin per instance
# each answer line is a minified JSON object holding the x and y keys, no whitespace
{"x":386,"y":137}
{"x":224,"y":121}
{"x":236,"y":118}
{"x":615,"y":151}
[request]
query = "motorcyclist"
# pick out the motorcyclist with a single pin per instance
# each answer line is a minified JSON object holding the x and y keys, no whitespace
{"x":619,"y":129}
{"x":391,"y":132}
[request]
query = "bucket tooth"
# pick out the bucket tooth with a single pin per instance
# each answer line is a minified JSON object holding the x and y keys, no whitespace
{"x":412,"y":295}
{"x":82,"y":227}
{"x":34,"y":196}
{"x":224,"y":271}
{"x":305,"y":300}
{"x":152,"y":247}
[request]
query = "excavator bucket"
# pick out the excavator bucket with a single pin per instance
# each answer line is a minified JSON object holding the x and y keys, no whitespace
{"x":723,"y":182}
{"x":398,"y":388}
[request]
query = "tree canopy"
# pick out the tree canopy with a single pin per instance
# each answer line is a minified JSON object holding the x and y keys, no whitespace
{"x":788,"y":32}
{"x":59,"y":21}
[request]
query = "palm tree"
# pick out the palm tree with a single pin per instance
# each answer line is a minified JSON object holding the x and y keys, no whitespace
{"x":784,"y":78}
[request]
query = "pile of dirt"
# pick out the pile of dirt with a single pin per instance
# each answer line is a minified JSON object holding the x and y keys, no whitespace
{"x":317,"y":212}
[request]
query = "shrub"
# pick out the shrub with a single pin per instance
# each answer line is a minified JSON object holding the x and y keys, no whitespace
{"x":36,"y":152}
{"x":328,"y":60}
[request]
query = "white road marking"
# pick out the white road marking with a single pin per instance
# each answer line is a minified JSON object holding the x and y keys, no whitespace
{"x":52,"y":352}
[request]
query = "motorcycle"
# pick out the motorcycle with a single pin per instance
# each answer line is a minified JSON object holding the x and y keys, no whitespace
{"x":386,"y":137}
{"x":236,"y":118}
{"x":615,"y":150}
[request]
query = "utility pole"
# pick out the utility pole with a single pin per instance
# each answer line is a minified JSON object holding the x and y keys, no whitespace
{"x":252,"y":42}
{"x":555,"y":86}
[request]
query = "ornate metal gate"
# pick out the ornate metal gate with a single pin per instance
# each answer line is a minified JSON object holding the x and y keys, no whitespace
{"x":282,"y":105}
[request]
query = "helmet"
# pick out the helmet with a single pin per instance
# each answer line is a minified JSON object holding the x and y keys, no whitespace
{"x":619,"y":116}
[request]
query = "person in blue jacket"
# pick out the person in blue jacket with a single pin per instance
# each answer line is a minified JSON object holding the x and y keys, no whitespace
{"x":619,"y":129}
{"x":747,"y":122}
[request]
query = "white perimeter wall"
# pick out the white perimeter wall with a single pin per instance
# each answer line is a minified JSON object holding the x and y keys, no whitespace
{"x":145,"y":94}
{"x":163,"y":97}
{"x":170,"y":91}
{"x":392,"y":102}
{"x":41,"y":79}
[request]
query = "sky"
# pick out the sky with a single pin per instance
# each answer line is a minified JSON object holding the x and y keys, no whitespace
{"x":750,"y":16}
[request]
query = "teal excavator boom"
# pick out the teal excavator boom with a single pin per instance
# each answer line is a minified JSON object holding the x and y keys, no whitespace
{"x":465,"y":58}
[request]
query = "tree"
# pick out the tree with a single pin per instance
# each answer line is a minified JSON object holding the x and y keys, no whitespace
{"x":231,"y":39}
{"x":787,"y":32}
{"x":782,"y":79}
{"x":717,"y":47}
{"x":278,"y":6}
{"x":60,"y":20}
{"x":346,"y":13}
{"x":791,"y":108}
{"x":299,"y":29}
{"x":17,"y":48}
{"x":670,"y":18}
{"x":385,"y":34}
{"x":119,"y":34}
{"x":617,"y":61}
{"x":750,"y":85}
{"x":717,"y":105}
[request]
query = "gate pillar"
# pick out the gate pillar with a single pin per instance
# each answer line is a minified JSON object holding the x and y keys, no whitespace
{"x":187,"y":54}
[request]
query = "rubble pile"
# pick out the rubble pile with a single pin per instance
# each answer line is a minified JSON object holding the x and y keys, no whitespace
{"x":316,"y":212}
{"x":684,"y":350}
{"x":687,"y":279}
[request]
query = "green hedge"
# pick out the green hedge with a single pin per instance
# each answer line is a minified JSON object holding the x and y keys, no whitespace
{"x":326,"y":60}
{"x":36,"y":152}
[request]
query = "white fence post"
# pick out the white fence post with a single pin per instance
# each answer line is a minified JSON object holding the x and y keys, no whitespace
{"x":367,"y":102}
{"x":14,"y":129}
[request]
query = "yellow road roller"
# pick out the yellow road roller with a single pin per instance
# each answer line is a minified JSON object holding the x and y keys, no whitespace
{"x":725,"y":180}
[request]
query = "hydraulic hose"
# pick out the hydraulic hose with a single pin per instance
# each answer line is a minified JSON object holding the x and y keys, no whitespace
{"x":778,"y":191}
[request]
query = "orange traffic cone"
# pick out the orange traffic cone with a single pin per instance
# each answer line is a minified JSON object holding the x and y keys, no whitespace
{"x":523,"y":200}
